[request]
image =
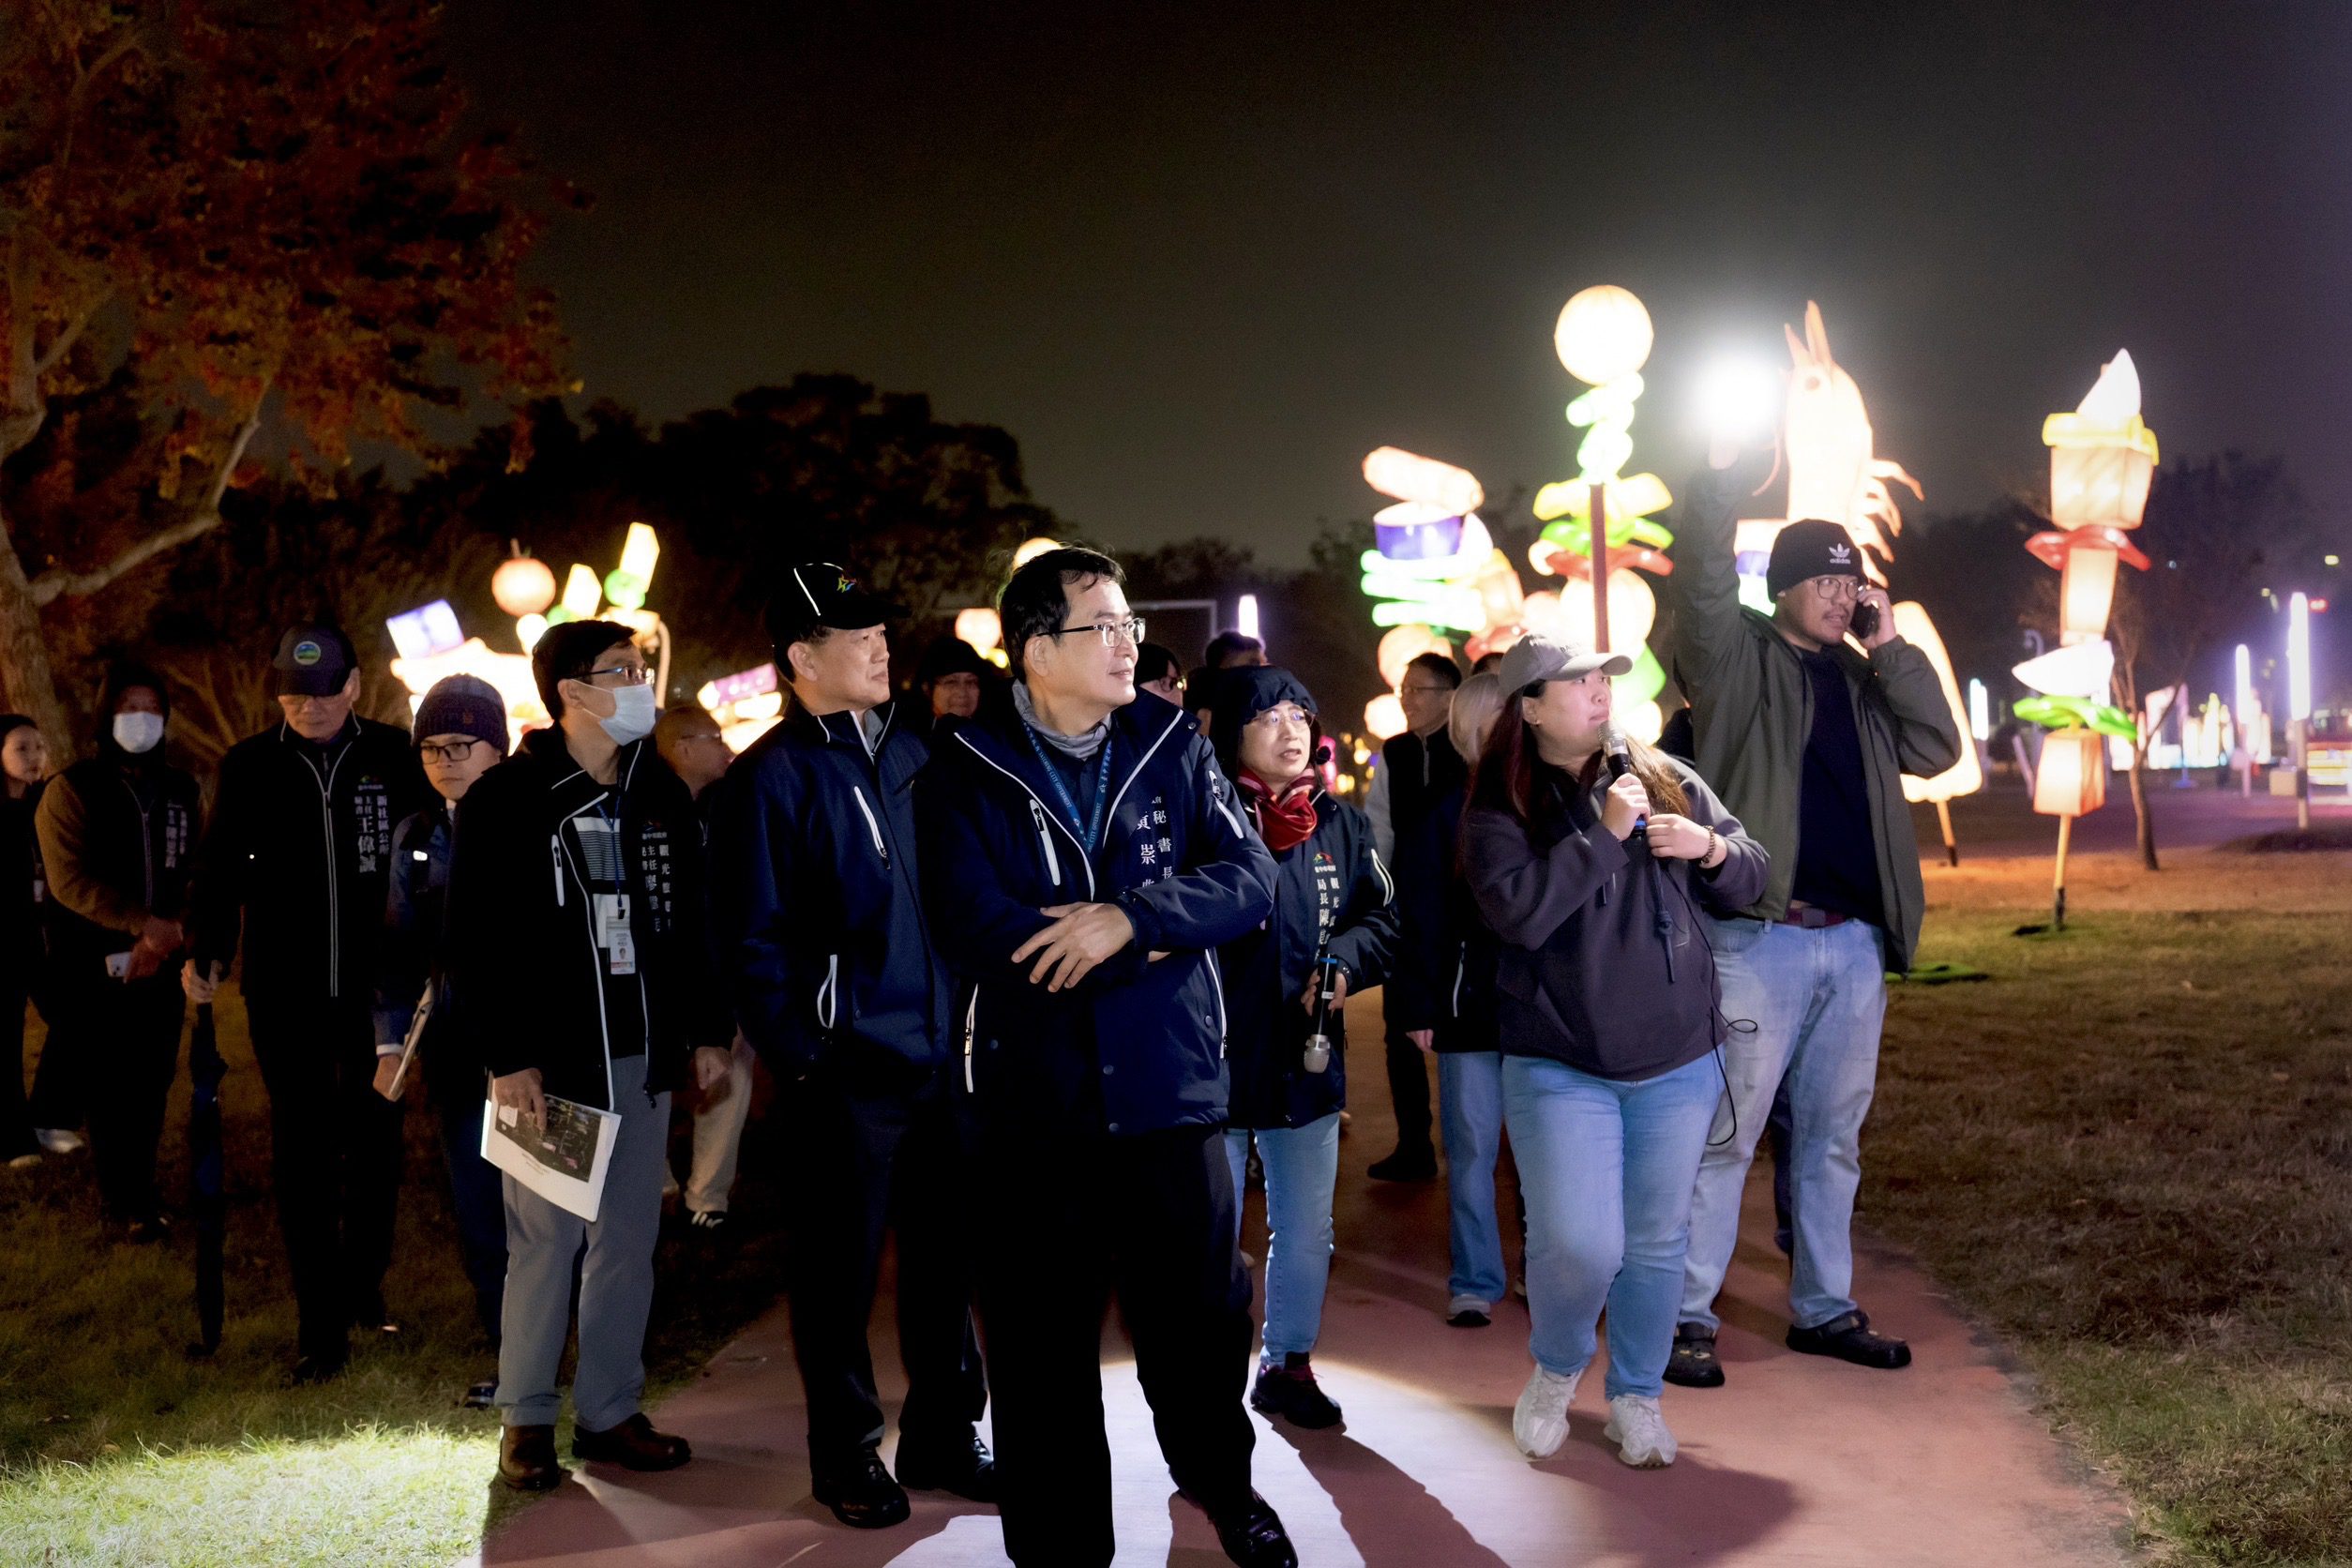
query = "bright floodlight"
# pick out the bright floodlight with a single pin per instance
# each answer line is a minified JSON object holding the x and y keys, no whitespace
{"x":2245,"y":690}
{"x":1247,"y":615}
{"x":1980,"y":711}
{"x":2298,"y":657}
{"x":1739,"y":400}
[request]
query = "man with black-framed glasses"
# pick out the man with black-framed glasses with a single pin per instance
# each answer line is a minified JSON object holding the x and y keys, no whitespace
{"x":461,"y":734}
{"x":296,"y":863}
{"x":1084,"y":859}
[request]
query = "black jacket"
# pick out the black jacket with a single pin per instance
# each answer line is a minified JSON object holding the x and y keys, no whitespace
{"x":1445,"y":976}
{"x":524,"y":973}
{"x":1330,"y":889}
{"x":817,"y":906}
{"x":24,"y":888}
{"x":1604,"y":962}
{"x":298,"y":851}
{"x":413,"y":951}
{"x":1137,"y":1046}
{"x":1418,"y":774}
{"x":118,"y":834}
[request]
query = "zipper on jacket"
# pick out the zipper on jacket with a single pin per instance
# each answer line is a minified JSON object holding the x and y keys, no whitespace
{"x":872,"y":826}
{"x":1461,"y":967}
{"x":596,"y":967}
{"x":334,"y":892}
{"x":1216,"y":983}
{"x":556,"y":853}
{"x":825,"y":993}
{"x":1045,"y":841}
{"x":972,"y":1027}
{"x":147,"y":836}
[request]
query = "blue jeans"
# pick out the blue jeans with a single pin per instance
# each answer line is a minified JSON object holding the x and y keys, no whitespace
{"x":1817,"y":999}
{"x":1470,"y":1108}
{"x":1606,"y":1169}
{"x":1302,"y":1168}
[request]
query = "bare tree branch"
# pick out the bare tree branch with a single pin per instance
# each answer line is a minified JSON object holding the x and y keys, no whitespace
{"x":205,"y":517}
{"x":63,"y":344}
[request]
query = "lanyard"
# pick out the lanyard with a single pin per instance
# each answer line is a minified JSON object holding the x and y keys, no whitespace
{"x":1092,"y":826}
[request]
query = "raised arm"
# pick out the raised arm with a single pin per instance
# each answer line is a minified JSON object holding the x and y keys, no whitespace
{"x":1704,"y":586}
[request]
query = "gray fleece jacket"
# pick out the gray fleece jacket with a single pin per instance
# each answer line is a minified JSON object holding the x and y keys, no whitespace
{"x":1604,"y":962}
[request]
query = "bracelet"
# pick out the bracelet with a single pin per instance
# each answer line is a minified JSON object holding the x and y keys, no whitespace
{"x":1707,"y":861}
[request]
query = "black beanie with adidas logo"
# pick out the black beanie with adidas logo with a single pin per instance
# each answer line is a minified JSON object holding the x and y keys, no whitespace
{"x":1807,"y":550}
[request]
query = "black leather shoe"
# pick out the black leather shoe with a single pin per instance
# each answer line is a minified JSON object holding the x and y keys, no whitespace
{"x":632,"y":1445}
{"x":526,"y":1459}
{"x":1848,"y":1338}
{"x":1692,"y":1364}
{"x":862,"y":1495}
{"x":965,"y":1468}
{"x":1254,"y":1536}
{"x":1406,"y":1165}
{"x":318,"y":1367}
{"x":1291,"y":1392}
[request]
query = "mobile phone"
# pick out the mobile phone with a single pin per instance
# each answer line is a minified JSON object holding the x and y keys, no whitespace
{"x":1865,"y":624}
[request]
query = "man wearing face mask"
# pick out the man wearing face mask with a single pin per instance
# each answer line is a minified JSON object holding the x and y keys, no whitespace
{"x":116,"y":831}
{"x":296,"y":861}
{"x":460,"y":733}
{"x":577,"y":961}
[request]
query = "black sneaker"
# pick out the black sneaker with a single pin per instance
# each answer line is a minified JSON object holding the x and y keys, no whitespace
{"x":480,"y":1395}
{"x":862,"y":1495}
{"x":1406,"y":1165}
{"x":964,"y":1467}
{"x":1848,"y":1338}
{"x":1254,"y":1536}
{"x":1289,"y":1391}
{"x":1693,"y":1364}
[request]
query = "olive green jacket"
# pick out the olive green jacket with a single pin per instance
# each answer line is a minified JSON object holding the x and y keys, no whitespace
{"x":1752,"y":715}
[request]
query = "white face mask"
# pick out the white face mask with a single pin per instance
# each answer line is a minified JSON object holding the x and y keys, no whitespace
{"x":138,"y":732}
{"x":634,"y":711}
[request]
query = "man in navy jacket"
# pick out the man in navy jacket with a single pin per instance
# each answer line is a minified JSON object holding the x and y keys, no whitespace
{"x":820,"y":921}
{"x":1083,"y":858}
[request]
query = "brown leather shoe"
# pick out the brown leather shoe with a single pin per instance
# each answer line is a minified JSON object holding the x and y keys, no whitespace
{"x":632,"y":1445}
{"x":526,"y":1459}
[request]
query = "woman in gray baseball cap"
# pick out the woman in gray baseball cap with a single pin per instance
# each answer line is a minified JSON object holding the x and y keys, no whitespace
{"x":1590,"y":856}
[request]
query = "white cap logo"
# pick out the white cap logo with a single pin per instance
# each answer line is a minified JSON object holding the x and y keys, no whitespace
{"x":1842,"y":555}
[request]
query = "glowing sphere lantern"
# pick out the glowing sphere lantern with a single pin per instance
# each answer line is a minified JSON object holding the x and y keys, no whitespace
{"x":1604,"y":333}
{"x":1384,"y":716}
{"x":524,"y":585}
{"x":2102,"y":457}
{"x":1401,"y":645}
{"x":1032,"y":549}
{"x":981,"y":628}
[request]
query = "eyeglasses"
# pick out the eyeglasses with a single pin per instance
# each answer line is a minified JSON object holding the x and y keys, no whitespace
{"x":1129,"y":631}
{"x":1282,"y":713}
{"x":455,"y":751}
{"x":631,"y":674}
{"x":1836,"y":589}
{"x":1431,"y":689}
{"x":295,"y":701}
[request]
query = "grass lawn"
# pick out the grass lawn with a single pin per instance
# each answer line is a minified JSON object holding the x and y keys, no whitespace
{"x":2130,"y":1152}
{"x":115,"y":1448}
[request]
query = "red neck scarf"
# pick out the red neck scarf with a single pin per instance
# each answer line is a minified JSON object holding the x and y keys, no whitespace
{"x":1283,"y":819}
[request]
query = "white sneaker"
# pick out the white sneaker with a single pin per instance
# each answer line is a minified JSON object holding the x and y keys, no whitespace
{"x":1539,"y":1423}
{"x":57,"y":1140}
{"x":1637,"y":1427}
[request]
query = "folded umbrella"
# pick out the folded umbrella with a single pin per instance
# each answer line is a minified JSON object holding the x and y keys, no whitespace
{"x":206,"y":1197}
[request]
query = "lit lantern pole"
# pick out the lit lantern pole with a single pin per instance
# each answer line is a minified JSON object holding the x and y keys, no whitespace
{"x":2101,"y":459}
{"x":1602,"y":338}
{"x":2243,"y":670}
{"x":2299,"y":702}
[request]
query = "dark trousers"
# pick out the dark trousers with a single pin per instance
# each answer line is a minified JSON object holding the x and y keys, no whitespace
{"x":335,"y":1158}
{"x":135,"y":1026}
{"x":477,"y":1195}
{"x":1068,"y":1220}
{"x":16,"y":1116}
{"x":862,"y":1167}
{"x":61,"y":1083}
{"x":1409,"y":1091}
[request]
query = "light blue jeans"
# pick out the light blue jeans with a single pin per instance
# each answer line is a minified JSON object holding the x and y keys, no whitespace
{"x":1302,"y":1169}
{"x":1469,"y":1109}
{"x":1606,"y":1168}
{"x":1817,"y":999}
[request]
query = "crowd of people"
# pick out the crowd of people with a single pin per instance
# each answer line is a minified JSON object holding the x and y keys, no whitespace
{"x":1061,"y":956}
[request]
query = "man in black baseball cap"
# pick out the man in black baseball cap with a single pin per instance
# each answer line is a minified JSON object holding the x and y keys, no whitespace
{"x":308,"y":901}
{"x":816,"y":901}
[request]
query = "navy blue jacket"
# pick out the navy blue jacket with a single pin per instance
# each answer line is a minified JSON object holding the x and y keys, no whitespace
{"x":1444,"y":976}
{"x":1330,"y":888}
{"x":817,"y":908}
{"x":1138,"y":1045}
{"x":412,"y":957}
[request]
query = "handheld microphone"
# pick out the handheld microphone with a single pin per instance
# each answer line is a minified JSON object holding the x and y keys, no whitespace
{"x":1620,"y":758}
{"x":1316,"y":1058}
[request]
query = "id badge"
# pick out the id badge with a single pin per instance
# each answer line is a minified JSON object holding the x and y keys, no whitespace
{"x":613,"y":934}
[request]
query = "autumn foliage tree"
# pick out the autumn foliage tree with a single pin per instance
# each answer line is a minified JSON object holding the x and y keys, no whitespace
{"x":267,"y":216}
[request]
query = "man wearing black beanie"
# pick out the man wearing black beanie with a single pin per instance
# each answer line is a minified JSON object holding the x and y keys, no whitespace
{"x":1806,"y":740}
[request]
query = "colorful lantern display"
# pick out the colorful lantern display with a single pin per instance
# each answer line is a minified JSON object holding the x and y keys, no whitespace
{"x":2072,"y":778}
{"x":2102,"y":457}
{"x":1965,"y":776}
{"x":747,"y":704}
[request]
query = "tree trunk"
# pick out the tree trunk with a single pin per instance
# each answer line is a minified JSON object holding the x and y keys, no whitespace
{"x":2140,"y":809}
{"x":24,"y":672}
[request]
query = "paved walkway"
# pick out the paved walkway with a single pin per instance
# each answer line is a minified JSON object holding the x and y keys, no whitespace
{"x":1798,"y":1462}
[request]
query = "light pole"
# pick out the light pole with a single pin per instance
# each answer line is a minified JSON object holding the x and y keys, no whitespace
{"x":2299,"y":702}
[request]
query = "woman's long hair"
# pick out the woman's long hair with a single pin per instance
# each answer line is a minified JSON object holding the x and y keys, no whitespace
{"x":1510,"y":773}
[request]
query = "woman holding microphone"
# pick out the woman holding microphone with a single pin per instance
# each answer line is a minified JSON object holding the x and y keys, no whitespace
{"x":1591,"y":857}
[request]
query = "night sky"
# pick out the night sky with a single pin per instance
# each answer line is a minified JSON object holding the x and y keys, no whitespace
{"x":1200,"y":259}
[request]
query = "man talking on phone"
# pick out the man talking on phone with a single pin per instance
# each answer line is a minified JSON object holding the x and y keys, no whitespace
{"x":1806,"y":738}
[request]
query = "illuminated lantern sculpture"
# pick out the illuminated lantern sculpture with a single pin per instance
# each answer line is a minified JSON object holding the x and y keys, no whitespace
{"x":1965,"y":776}
{"x":522,"y":585}
{"x":1401,"y":645}
{"x":2101,"y":457}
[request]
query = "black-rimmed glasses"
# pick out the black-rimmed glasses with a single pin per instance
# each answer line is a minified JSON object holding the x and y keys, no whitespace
{"x":455,"y":751}
{"x":1112,"y":632}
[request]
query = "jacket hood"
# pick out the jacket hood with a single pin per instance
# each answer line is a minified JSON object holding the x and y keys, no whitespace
{"x":1242,"y":695}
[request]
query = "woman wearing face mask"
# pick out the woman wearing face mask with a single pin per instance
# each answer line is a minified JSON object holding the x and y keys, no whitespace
{"x":1592,"y":857}
{"x":115,"y":835}
{"x":23,"y":944}
{"x":1334,"y":928}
